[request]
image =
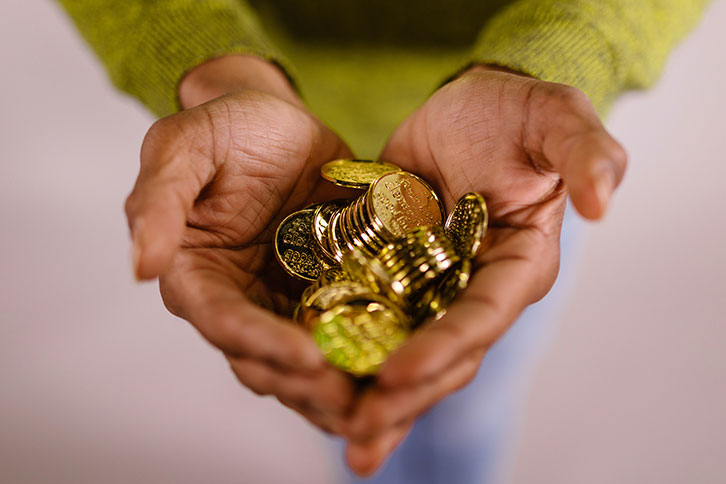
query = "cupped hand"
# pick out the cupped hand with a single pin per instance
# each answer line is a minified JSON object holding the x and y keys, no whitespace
{"x":525,"y":145}
{"x":214,"y":183}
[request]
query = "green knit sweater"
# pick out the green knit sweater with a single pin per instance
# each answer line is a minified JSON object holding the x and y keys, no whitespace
{"x":363,"y":65}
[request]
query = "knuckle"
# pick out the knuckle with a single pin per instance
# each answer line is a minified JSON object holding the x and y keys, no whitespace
{"x":620,"y":156}
{"x":561,"y":98}
{"x":222,"y":330}
{"x":154,"y":138}
{"x":296,"y":393}
{"x":256,"y":382}
{"x":570,"y":97}
{"x":376,"y":422}
{"x":131,"y":207}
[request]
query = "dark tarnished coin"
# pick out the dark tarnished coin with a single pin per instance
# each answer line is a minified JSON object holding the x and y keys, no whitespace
{"x":355,"y":173}
{"x":467,"y":224}
{"x":294,"y":245}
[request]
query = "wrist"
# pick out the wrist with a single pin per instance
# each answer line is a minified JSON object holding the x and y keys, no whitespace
{"x":234,"y":73}
{"x":491,"y":68}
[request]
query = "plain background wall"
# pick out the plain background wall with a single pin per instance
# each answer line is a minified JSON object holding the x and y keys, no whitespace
{"x":99,"y":384}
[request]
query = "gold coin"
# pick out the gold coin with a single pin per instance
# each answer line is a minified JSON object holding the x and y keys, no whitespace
{"x":359,"y":215}
{"x":356,"y":266}
{"x":296,"y":313}
{"x":449,"y":287}
{"x":347,"y":233}
{"x":338,"y":248}
{"x":358,"y":338}
{"x":321,"y":219}
{"x":467,"y":224}
{"x":355,"y":173}
{"x":356,"y":233}
{"x":334,"y":274}
{"x":399,"y":202}
{"x":294,"y":245}
{"x":329,"y":295}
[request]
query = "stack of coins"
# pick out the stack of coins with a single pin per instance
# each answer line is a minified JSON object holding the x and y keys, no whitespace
{"x":380,"y":264}
{"x":393,"y":204}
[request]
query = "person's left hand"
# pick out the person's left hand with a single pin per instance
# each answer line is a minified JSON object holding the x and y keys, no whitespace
{"x":525,"y":145}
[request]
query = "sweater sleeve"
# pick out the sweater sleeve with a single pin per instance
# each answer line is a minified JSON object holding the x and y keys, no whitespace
{"x":602,"y":47}
{"x":147,"y":46}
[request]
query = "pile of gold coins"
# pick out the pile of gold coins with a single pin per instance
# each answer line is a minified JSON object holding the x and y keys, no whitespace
{"x":380,"y":264}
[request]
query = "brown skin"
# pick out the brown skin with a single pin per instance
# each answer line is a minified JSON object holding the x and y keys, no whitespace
{"x":217,"y":178}
{"x":215,"y":181}
{"x":525,"y":145}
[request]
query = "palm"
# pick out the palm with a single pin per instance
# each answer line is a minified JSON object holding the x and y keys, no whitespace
{"x":466,"y":139}
{"x":215,"y":181}
{"x":262,"y":157}
{"x":525,"y":145}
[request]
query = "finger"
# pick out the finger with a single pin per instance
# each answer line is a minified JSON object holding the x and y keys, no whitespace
{"x":381,"y":409}
{"x":520,"y":272}
{"x":328,"y":391}
{"x":201,"y":288}
{"x":327,"y":422}
{"x":173,"y":172}
{"x":364,"y":458}
{"x":563,"y":130}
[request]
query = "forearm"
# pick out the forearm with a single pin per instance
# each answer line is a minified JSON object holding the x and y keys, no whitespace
{"x":602,"y":47}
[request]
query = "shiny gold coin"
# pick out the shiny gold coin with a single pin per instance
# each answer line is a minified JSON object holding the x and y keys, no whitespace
{"x":297,"y":313}
{"x":329,"y":295}
{"x":450,"y":286}
{"x":294,"y":245}
{"x":358,"y":338}
{"x":359,"y":217}
{"x":334,"y":274}
{"x":321,"y":219}
{"x":356,"y":264}
{"x":356,"y":233}
{"x":355,"y":173}
{"x":467,"y":224}
{"x":338,"y":248}
{"x":399,"y":202}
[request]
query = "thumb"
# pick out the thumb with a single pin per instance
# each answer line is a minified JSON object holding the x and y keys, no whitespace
{"x":566,"y":133}
{"x":171,"y":177}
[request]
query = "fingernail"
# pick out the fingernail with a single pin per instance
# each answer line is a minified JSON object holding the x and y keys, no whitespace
{"x":604,"y":184}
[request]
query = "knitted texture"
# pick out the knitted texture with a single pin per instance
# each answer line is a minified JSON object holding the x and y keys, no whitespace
{"x":148,"y":46}
{"x":602,"y":47}
{"x":364,"y":89}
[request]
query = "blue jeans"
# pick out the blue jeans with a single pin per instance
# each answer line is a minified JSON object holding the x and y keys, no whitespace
{"x":463,"y":439}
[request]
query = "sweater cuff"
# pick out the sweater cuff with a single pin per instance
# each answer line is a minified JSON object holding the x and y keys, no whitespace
{"x":552,"y":42}
{"x":171,"y":42}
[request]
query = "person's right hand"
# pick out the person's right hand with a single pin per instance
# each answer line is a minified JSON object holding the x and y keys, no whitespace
{"x":215,"y":181}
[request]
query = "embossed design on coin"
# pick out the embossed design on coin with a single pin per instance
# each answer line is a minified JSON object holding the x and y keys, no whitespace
{"x":380,"y":264}
{"x":467,"y":224}
{"x":399,"y":202}
{"x":358,"y":337}
{"x":294,"y":245}
{"x":355,"y":173}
